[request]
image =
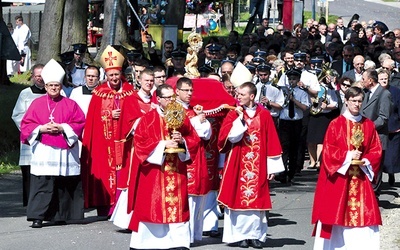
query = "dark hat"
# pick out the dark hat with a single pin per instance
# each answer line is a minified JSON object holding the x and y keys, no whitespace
{"x":228,"y":60}
{"x":79,"y":48}
{"x":299,"y":56}
{"x":258,"y":59}
{"x":212,"y":48}
{"x":133,"y":55}
{"x":260,"y":53}
{"x":206,"y":69}
{"x":293,"y":72}
{"x":178,"y":53}
{"x":67,"y":57}
{"x":264,"y":67}
{"x":251,"y":67}
{"x":316,"y":60}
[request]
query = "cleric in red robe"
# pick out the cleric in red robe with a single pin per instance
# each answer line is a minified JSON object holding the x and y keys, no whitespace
{"x":136,"y":105}
{"x":249,"y":134}
{"x":102,"y":145}
{"x":199,"y":183}
{"x":346,"y":211}
{"x":158,"y":192}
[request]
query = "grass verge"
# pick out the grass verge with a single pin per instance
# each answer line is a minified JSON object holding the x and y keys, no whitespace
{"x":9,"y":134}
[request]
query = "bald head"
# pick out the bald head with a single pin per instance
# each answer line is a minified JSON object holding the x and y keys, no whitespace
{"x":358,"y":63}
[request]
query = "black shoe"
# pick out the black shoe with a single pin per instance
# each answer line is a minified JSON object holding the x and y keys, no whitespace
{"x":215,"y":234}
{"x":256,"y":244}
{"x":391,"y":180}
{"x":60,"y":223}
{"x":281,"y":178}
{"x":243,"y":244}
{"x":37,"y":224}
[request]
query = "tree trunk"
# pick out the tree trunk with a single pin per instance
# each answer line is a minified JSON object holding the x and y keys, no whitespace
{"x":228,"y":16}
{"x":50,"y":35}
{"x":74,"y":27}
{"x":175,"y":13}
{"x":120,"y":34}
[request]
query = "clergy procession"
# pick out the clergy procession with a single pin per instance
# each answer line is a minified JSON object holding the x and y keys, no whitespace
{"x":164,"y":145}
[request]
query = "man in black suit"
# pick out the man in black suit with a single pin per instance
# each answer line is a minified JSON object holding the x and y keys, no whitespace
{"x":346,"y":63}
{"x":377,"y":106}
{"x":341,"y":29}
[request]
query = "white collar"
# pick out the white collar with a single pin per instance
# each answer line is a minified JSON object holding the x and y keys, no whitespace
{"x":144,"y":96}
{"x":160,"y":111}
{"x":373,"y":89}
{"x":184,"y":104}
{"x":349,"y":116}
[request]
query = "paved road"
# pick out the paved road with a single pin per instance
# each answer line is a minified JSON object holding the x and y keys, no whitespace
{"x":289,"y":221}
{"x":386,"y":12}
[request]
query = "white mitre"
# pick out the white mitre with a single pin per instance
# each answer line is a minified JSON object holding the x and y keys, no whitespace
{"x":240,"y":75}
{"x":53,"y":72}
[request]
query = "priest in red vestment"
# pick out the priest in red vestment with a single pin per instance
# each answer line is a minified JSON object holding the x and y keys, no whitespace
{"x":102,"y":145}
{"x":249,"y":136}
{"x":136,"y":105}
{"x":346,"y":212}
{"x":199,"y":183}
{"x":52,"y":125}
{"x":158,"y":192}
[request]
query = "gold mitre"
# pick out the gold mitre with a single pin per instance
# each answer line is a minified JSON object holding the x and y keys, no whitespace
{"x":111,"y":59}
{"x":240,"y":75}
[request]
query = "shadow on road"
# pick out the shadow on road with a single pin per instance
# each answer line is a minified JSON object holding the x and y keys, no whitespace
{"x":11,"y":196}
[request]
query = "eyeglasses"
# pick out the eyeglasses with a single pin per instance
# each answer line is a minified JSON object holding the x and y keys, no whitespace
{"x":186,"y":90}
{"x":355,"y":101}
{"x":158,"y":77}
{"x":168,"y":98}
{"x":346,"y":85}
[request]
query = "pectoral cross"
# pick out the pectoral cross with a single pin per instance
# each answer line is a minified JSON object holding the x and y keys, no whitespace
{"x":51,"y":117}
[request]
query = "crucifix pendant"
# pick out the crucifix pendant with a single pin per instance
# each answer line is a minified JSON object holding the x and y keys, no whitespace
{"x":51,"y":117}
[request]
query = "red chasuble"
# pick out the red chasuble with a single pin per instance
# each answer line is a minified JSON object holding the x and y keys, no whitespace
{"x":134,"y":108}
{"x":158,"y":194}
{"x":346,"y":200}
{"x":198,"y":179}
{"x":102,"y":145}
{"x":245,"y":184}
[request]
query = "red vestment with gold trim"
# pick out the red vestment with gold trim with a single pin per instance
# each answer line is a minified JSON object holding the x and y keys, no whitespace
{"x":159,"y":194}
{"x":102,"y":145}
{"x":346,"y":200}
{"x":245,"y":184}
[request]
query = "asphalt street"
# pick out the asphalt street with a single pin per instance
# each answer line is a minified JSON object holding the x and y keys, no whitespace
{"x":289,"y":221}
{"x":379,"y":10}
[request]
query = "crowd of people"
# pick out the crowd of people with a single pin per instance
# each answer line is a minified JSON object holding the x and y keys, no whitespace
{"x":101,"y":138}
